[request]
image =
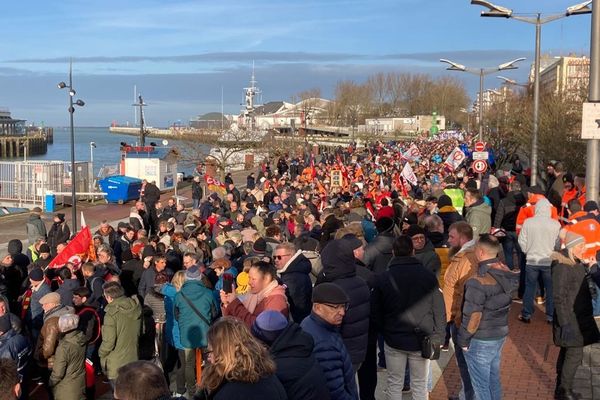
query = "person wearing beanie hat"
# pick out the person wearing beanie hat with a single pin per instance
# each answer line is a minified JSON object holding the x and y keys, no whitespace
{"x":292,"y":350}
{"x":379,"y":251}
{"x":31,"y":310}
{"x":195,"y":308}
{"x":59,"y":233}
{"x":447,"y":213}
{"x":339,"y":267}
{"x":260,"y":247}
{"x":330,"y":303}
{"x":574,"y":326}
{"x":424,"y":250}
{"x":537,"y":240}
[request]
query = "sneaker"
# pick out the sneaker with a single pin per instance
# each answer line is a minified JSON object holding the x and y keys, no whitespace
{"x":540,"y":300}
{"x":524,"y":320}
{"x":518,"y":301}
{"x":406,"y":389}
{"x":445,"y":347}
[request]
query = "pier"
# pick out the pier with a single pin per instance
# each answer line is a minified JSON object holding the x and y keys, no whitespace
{"x":23,"y":146}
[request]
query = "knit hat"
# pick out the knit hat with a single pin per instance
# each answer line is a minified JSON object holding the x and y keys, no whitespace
{"x":5,"y":324}
{"x":260,"y":246}
{"x":352,"y":241}
{"x":414,"y":230}
{"x":51,"y":297}
{"x":193,"y":274}
{"x":36,"y":275}
{"x":572,"y":239}
{"x":60,"y":216}
{"x":268,"y":326}
{"x":329,"y":293}
{"x":44,"y":248}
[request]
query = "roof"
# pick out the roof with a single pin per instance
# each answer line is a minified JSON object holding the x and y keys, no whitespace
{"x":211,"y":116}
{"x":159,"y":152}
{"x":269,"y":108}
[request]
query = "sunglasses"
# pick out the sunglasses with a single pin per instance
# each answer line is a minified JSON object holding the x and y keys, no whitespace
{"x":281,"y":256}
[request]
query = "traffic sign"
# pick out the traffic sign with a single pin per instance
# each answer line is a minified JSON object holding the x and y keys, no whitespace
{"x":480,"y":155}
{"x":590,"y":121}
{"x":479,"y":146}
{"x":479,"y":166}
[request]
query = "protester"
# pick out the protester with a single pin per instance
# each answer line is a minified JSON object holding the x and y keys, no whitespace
{"x":67,"y":379}
{"x":294,"y":270}
{"x":140,"y":380}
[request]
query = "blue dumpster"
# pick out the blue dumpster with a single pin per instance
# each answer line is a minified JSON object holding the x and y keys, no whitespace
{"x":120,"y":188}
{"x":50,"y":202}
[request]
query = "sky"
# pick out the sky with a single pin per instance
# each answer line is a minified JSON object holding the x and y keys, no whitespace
{"x":181,"y":55}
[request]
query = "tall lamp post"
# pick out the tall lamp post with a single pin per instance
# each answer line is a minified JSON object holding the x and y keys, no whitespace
{"x":538,"y":20}
{"x":481,"y":72}
{"x":79,"y":103}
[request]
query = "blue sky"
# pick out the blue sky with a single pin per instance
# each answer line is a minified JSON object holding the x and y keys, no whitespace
{"x":180,"y":53}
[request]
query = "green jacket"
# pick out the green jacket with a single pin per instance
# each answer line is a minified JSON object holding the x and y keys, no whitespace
{"x":480,"y":219}
{"x":120,"y":334}
{"x":68,"y":374}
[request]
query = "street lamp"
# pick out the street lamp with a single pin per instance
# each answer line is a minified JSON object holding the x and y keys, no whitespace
{"x":537,"y":20}
{"x":79,"y":103}
{"x":481,"y":72}
{"x":92,"y":147}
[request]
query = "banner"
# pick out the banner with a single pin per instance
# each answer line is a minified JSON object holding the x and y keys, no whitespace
{"x":409,"y":175}
{"x":455,"y":159}
{"x":412,"y":153}
{"x":81,"y":245}
{"x":215,"y":185}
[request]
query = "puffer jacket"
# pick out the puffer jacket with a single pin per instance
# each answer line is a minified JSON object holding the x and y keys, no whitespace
{"x":487,"y":300}
{"x":68,"y":374}
{"x":573,"y":323}
{"x":297,"y":368}
{"x":449,"y":215}
{"x":296,"y":277}
{"x":15,"y":346}
{"x":333,"y":358}
{"x":479,"y":216}
{"x":429,"y":258}
{"x":193,"y":329}
{"x":378,"y":253}
{"x":120,"y":334}
{"x":49,"y":335}
{"x":339,"y":267}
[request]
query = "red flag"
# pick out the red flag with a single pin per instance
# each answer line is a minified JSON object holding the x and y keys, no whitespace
{"x":312,"y":166}
{"x":215,"y":185}
{"x":82,"y":245}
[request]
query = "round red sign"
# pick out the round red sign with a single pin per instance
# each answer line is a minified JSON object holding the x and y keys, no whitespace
{"x":479,"y":146}
{"x":480,"y":166}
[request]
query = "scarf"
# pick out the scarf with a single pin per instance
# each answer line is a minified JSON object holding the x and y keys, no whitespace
{"x":252,"y":300}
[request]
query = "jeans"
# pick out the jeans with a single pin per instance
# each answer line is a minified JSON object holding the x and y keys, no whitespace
{"x":483,"y":360}
{"x":511,"y":245}
{"x":596,"y":302}
{"x":466,"y":392}
{"x":419,"y":369}
{"x":533,"y":272}
{"x":195,"y":204}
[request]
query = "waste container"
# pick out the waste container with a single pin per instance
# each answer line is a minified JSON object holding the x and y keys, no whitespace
{"x":120,"y":188}
{"x":50,"y":202}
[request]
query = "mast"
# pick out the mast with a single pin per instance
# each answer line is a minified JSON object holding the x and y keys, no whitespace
{"x":141,"y":106}
{"x":250,"y":93}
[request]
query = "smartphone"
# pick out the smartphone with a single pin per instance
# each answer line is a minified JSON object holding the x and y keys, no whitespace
{"x":227,"y":283}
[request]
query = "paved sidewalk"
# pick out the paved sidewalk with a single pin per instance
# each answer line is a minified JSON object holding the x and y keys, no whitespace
{"x":529,"y":364}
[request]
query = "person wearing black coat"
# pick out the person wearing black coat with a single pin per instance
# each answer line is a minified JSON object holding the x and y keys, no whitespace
{"x":447,"y":213}
{"x":506,"y":218}
{"x":292,"y":350}
{"x":59,"y":233}
{"x":293,"y":269}
{"x":330,"y":225}
{"x":339,"y":268}
{"x":378,"y":253}
{"x":250,"y":181}
{"x":66,"y":288}
{"x":573,"y":324}
{"x":407,"y":296}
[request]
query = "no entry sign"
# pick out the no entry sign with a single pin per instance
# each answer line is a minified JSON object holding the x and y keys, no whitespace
{"x":479,"y":166}
{"x":479,"y":146}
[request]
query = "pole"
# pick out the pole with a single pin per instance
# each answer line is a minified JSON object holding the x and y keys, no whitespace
{"x":73,"y":175}
{"x":536,"y":102}
{"x":594,"y":96}
{"x":481,"y":104}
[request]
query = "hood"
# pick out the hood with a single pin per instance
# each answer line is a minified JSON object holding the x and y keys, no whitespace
{"x":298,"y":263}
{"x":6,"y":336}
{"x":75,"y":337}
{"x":15,"y":247}
{"x":292,"y":342}
{"x":58,"y":311}
{"x":543,"y":208}
{"x":127,"y":307}
{"x":507,"y":279}
{"x":481,"y":208}
{"x":338,"y":260}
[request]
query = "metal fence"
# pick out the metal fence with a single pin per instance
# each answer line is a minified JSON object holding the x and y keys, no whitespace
{"x":25,"y":183}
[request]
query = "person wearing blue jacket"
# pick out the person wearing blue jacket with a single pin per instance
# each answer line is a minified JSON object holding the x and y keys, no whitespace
{"x":195,"y":309}
{"x":172,"y":344}
{"x":329,"y":307}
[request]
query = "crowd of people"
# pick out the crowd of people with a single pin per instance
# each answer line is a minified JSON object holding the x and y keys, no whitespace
{"x":306,"y":281}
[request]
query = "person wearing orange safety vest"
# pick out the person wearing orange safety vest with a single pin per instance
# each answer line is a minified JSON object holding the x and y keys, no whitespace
{"x":534,"y":194}
{"x":588,"y":227}
{"x":569,"y":194}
